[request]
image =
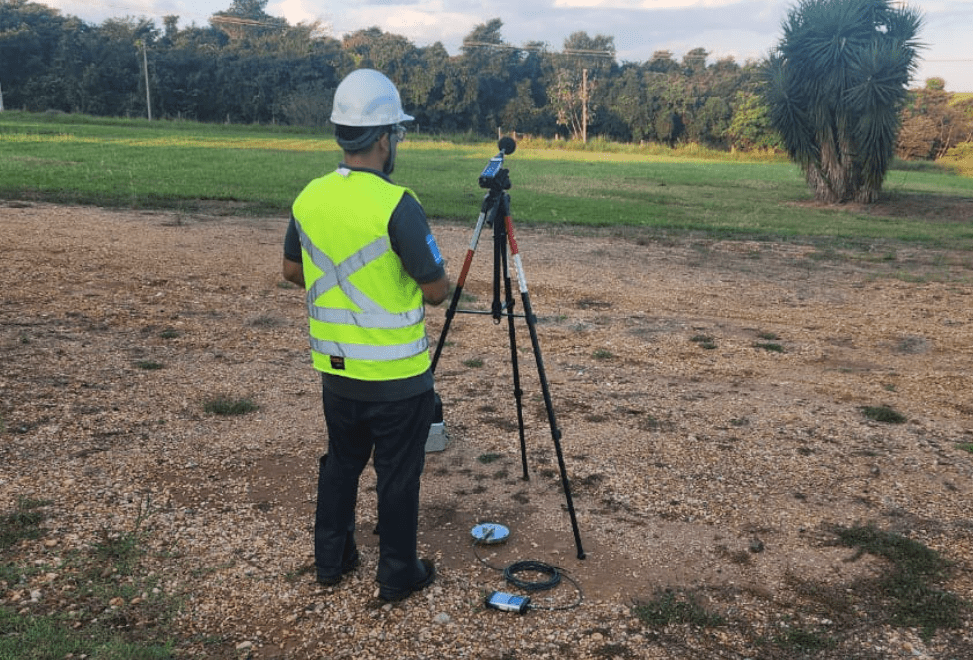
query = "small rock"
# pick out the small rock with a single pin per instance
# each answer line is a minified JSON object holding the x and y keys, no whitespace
{"x":442,"y":619}
{"x":244,"y":646}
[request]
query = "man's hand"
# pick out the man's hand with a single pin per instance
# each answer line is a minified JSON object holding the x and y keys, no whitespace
{"x":435,"y":292}
{"x":294,"y":272}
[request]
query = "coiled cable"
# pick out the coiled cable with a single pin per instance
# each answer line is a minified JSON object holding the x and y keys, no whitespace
{"x":553,"y":578}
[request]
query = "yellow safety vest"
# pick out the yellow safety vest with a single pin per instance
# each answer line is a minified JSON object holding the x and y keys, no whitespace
{"x":365,"y":312}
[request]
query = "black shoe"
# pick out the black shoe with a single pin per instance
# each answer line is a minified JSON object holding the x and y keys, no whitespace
{"x":392,"y":595}
{"x":346,"y":568}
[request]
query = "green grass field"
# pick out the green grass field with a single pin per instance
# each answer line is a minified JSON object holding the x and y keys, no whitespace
{"x":259,"y":170}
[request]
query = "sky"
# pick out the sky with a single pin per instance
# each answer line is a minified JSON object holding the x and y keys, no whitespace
{"x":741,"y":29}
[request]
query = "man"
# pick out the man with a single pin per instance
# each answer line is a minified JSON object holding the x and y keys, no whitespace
{"x":362,"y":248}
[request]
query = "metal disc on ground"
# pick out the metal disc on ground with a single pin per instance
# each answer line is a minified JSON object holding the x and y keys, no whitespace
{"x":490,"y":533}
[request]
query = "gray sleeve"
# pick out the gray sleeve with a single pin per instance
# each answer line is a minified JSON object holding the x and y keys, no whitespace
{"x":292,"y":243}
{"x":413,"y":241}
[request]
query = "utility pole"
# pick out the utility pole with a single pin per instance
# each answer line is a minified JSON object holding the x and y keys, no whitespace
{"x":584,"y":106}
{"x":145,"y":68}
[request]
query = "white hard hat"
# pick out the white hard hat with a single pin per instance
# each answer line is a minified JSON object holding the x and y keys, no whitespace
{"x":367,"y":98}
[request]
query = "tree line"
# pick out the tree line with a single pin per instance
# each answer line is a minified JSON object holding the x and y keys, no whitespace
{"x":246,"y":66}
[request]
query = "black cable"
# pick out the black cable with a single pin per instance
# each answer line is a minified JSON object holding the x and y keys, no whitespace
{"x":553,"y":573}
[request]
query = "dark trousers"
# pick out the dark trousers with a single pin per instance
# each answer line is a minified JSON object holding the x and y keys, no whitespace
{"x":396,"y":431}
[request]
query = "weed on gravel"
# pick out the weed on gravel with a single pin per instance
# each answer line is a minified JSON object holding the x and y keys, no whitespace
{"x":23,"y":523}
{"x":228,"y":406}
{"x":703,"y":341}
{"x":884,"y":414}
{"x":812,"y":619}
{"x":907,"y":591}
{"x":670,"y":606}
{"x":91,"y":603}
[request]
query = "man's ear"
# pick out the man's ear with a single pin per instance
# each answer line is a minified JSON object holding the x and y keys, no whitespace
{"x":384,"y":142}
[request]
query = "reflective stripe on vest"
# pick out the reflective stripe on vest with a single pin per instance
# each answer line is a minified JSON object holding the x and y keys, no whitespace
{"x":372,"y":315}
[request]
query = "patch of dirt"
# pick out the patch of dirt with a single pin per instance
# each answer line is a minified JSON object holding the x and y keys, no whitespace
{"x":916,"y":206}
{"x":708,"y":395}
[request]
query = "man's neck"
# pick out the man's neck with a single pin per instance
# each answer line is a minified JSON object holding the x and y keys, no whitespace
{"x":373,"y":159}
{"x":368,"y":161}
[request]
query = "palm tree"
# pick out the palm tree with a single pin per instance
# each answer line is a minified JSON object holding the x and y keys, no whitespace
{"x":835,"y":85}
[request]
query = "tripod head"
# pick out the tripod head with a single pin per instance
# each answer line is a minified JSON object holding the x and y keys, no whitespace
{"x":494,"y":177}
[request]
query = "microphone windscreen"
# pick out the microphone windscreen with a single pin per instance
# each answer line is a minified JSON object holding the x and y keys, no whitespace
{"x":507,"y":145}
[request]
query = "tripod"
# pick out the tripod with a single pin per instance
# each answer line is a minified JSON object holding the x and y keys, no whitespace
{"x":495,"y":213}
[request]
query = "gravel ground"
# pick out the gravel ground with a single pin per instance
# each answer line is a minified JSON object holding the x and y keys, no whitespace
{"x":709,"y":393}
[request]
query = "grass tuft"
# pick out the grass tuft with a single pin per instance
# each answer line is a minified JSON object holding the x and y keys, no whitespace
{"x":148,"y":365}
{"x":883,"y":414}
{"x":800,"y":640}
{"x":703,"y":341}
{"x":669,"y":606}
{"x":771,"y":347}
{"x":123,"y":549}
{"x":909,"y":585}
{"x":227,"y":406}
{"x":23,"y":523}
{"x":110,"y":615}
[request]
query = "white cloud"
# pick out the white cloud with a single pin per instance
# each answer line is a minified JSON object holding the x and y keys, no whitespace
{"x":641,"y":4}
{"x":295,"y":11}
{"x":419,"y":26}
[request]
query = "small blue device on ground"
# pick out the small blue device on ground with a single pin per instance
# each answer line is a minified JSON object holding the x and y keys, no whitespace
{"x":499,"y":600}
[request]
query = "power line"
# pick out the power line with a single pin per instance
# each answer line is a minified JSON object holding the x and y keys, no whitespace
{"x":541,"y":49}
{"x":237,"y":20}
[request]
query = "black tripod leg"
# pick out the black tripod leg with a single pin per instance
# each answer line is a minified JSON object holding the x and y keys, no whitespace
{"x":500,"y":229}
{"x":535,"y":343}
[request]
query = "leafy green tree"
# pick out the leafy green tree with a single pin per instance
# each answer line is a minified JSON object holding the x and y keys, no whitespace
{"x":524,"y":113}
{"x":835,"y":86}
{"x":528,"y":111}
{"x":486,"y":76}
{"x":750,"y":126}
{"x":30,"y":39}
{"x":423,"y":91}
{"x":626,"y":104}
